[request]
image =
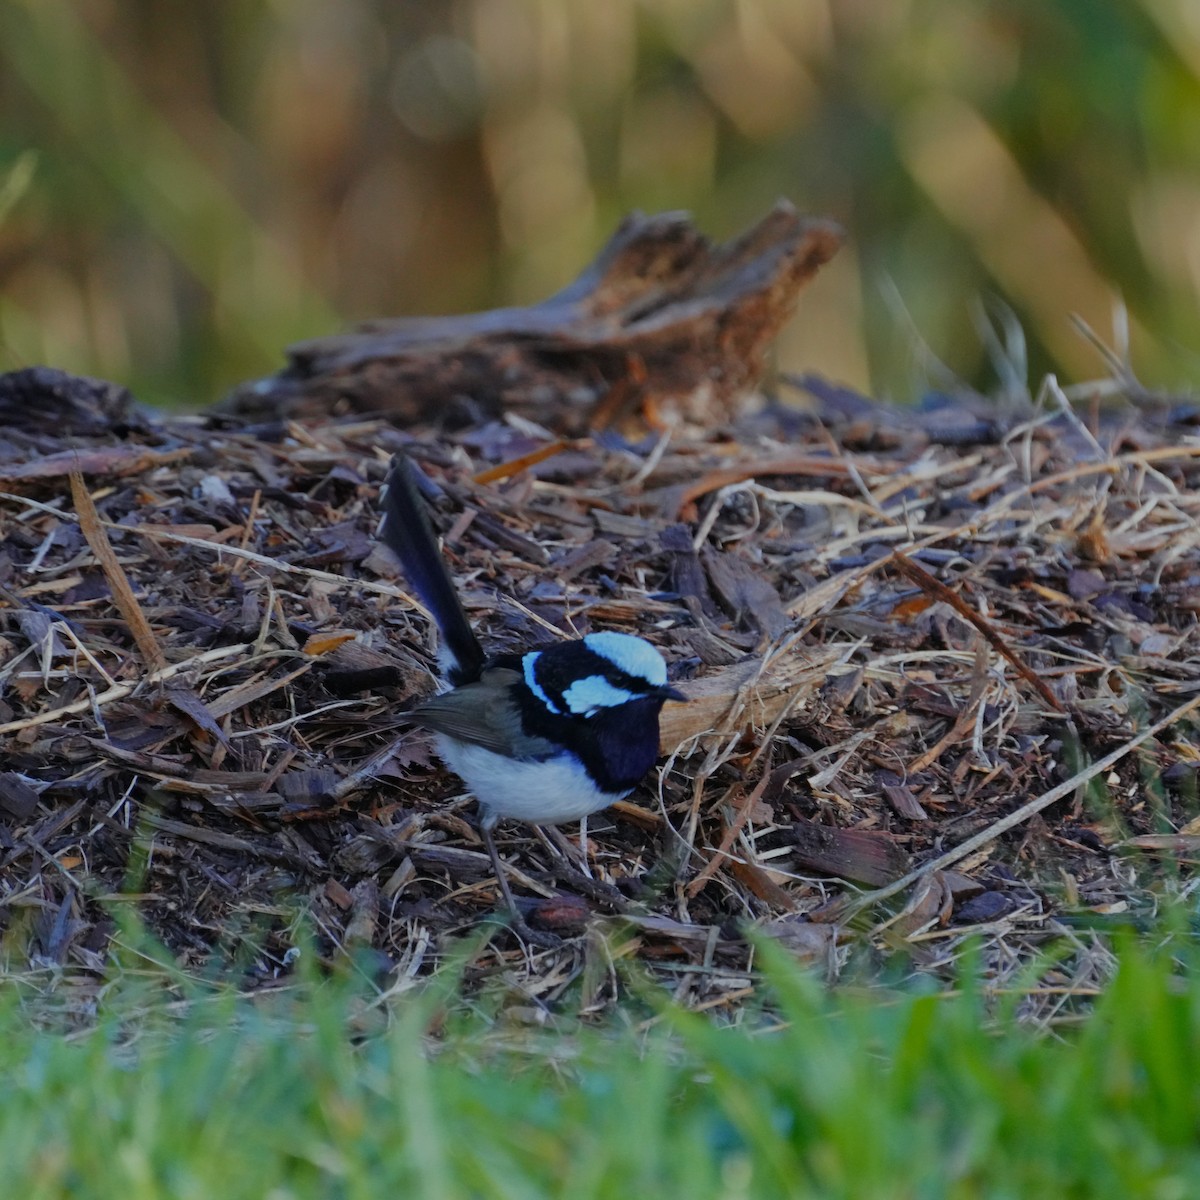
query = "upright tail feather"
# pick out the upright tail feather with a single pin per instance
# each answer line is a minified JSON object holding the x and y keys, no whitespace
{"x":406,"y":531}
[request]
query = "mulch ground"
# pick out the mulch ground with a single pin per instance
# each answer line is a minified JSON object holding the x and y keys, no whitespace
{"x":912,"y":639}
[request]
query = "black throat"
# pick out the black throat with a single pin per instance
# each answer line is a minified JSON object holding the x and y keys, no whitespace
{"x":616,"y":745}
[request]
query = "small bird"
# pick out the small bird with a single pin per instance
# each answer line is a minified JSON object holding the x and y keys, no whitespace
{"x":546,"y":736}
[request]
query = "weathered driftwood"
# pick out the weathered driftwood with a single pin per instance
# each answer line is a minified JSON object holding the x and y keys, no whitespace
{"x":661,"y":316}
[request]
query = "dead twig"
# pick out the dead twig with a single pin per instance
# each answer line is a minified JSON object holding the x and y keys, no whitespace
{"x":935,"y":587}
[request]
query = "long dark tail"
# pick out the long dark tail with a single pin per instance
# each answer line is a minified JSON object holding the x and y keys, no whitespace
{"x":406,"y":531}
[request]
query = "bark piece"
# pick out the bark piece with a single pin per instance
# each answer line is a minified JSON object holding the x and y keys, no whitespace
{"x":746,"y":595}
{"x":17,"y":798}
{"x":900,"y":796}
{"x":685,"y":575}
{"x":860,"y":855}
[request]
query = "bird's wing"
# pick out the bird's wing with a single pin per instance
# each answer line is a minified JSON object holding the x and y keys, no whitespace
{"x":484,"y":714}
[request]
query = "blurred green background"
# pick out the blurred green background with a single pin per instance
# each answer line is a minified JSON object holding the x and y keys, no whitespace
{"x":185,"y":188}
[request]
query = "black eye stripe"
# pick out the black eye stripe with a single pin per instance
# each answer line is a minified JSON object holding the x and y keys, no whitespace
{"x":565,"y":663}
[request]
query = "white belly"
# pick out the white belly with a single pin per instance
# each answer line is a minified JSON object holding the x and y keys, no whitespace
{"x":542,"y":793}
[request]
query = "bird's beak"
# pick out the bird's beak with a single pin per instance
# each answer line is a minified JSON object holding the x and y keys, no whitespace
{"x":670,"y":693}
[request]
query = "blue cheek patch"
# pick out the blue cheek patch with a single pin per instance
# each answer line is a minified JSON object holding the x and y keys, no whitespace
{"x":584,"y":696}
{"x":633,"y":655}
{"x":529,"y":666}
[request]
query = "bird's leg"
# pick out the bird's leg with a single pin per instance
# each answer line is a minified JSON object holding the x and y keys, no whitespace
{"x":498,"y":867}
{"x":533,"y":937}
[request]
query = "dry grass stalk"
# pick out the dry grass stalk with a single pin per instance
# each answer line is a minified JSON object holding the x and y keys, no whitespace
{"x":118,"y":581}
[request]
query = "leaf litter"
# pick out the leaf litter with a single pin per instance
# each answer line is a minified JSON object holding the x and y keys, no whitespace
{"x":942,"y":664}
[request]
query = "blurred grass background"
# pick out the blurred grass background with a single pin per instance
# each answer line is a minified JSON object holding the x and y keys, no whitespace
{"x":184,"y":189}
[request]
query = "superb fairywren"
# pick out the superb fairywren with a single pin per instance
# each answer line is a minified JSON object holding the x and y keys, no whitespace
{"x":546,"y":736}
